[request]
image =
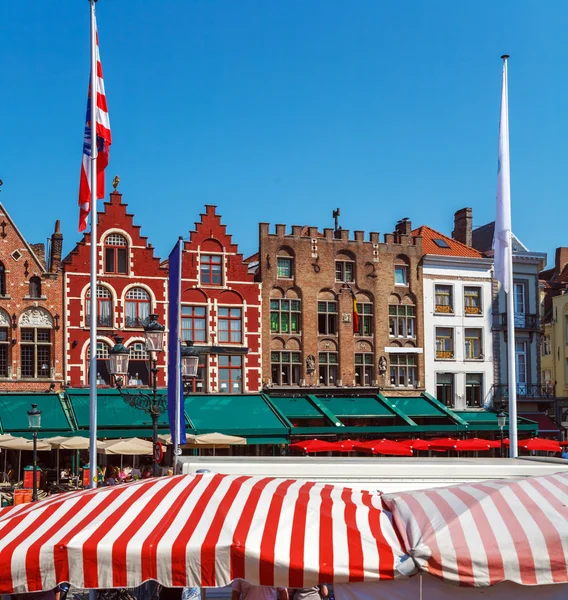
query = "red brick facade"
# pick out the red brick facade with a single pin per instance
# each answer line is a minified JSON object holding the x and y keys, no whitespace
{"x":309,"y":283}
{"x":220,"y":309}
{"x":31,"y":311}
{"x":132,"y":284}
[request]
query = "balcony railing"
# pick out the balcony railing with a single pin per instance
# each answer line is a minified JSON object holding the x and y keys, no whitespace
{"x":523,"y":321}
{"x":102,"y":321}
{"x":524,"y":390}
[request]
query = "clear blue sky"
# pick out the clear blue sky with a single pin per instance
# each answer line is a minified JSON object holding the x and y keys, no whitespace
{"x":281,"y":111}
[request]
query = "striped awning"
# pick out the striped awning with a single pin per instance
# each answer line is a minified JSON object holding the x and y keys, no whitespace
{"x":480,"y":534}
{"x":203,"y":530}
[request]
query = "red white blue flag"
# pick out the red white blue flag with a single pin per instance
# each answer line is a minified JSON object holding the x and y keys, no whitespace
{"x":103,"y":143}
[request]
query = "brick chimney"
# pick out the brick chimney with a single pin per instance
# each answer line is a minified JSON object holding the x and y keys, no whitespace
{"x":56,"y":248}
{"x":561,"y":259}
{"x":463,"y":220}
{"x":404,"y":227}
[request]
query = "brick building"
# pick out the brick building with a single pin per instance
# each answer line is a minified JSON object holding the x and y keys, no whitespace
{"x":220,"y":309}
{"x":131,"y":285}
{"x":31,"y":309}
{"x":341,"y":312}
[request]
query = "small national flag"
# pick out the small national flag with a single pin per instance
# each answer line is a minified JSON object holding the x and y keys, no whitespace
{"x":355,"y":316}
{"x":103,"y":143}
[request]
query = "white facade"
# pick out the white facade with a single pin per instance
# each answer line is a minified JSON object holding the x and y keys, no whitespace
{"x":458,"y":344}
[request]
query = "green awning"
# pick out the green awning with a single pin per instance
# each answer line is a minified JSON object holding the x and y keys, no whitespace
{"x":14,"y":418}
{"x":417,"y":407}
{"x":483,"y":420}
{"x":356,"y":407}
{"x":296,"y":407}
{"x":246,"y":415}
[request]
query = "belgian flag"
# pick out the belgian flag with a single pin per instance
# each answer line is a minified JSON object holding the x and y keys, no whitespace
{"x":355,"y":316}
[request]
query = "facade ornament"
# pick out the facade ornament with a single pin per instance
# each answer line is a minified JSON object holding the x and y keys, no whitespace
{"x":5,"y":319}
{"x":36,"y":317}
{"x":310,"y":363}
{"x":382,"y":365}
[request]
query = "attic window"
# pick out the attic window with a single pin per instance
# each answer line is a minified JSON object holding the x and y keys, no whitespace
{"x":441,"y":243}
{"x":16,"y":255}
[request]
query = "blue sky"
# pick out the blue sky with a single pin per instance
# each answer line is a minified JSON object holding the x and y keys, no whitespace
{"x":283,"y":111}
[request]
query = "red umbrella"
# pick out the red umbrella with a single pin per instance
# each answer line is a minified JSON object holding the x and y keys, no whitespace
{"x":442,"y":444}
{"x":344,"y":445}
{"x":384,"y":447}
{"x":416,"y":444}
{"x":313,"y":446}
{"x":563,"y":443}
{"x":540,"y":444}
{"x":474,"y":445}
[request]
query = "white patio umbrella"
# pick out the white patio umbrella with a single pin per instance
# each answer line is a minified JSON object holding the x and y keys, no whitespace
{"x":208,"y":440}
{"x":131,"y":446}
{"x":61,"y":442}
{"x":20,"y":443}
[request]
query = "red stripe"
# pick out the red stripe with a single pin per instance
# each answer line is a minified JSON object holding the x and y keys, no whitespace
{"x":90,"y":546}
{"x":238,"y":545}
{"x":298,"y":537}
{"x":102,"y":102}
{"x":495,"y":568}
{"x":209,"y":545}
{"x":354,"y":544}
{"x":119,"y":578}
{"x":180,"y":543}
{"x":384,"y":549}
{"x":553,"y":480}
{"x":520,"y":540}
{"x":100,"y":69}
{"x":149,"y":551}
{"x":103,"y":132}
{"x":326,"y":570}
{"x":266,"y":566}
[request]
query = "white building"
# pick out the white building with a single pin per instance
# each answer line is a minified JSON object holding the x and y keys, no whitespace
{"x":458,"y":345}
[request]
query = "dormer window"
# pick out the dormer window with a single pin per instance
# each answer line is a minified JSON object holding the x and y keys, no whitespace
{"x":116,"y":254}
{"x":211,"y":269}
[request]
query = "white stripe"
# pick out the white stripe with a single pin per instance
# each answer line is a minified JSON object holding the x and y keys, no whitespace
{"x":311,"y":550}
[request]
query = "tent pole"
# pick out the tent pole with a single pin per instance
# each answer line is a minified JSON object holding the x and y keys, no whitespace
{"x":57,"y":466}
{"x":19,"y":463}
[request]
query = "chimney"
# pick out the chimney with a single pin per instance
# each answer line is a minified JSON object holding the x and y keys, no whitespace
{"x":56,"y":248}
{"x":462,"y":226}
{"x":404,"y":227}
{"x":561,"y":259}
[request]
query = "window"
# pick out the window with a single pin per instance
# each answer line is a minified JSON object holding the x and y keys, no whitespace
{"x":35,"y":287}
{"x":285,"y":316}
{"x":473,"y":344}
{"x":2,"y":279}
{"x":519,"y":299}
{"x":521,"y":364}
{"x":230,"y":325}
{"x":444,"y":343}
{"x":230,"y":374}
{"x":445,"y":388}
{"x":103,"y":373}
{"x":441,"y":243}
{"x":344,"y":271}
{"x":210,"y":266}
{"x":402,"y":321}
{"x":401,"y":274}
{"x":285,"y":367}
{"x":35,"y":352}
{"x":443,"y":301}
{"x":193,"y":323}
{"x":403,"y":370}
{"x":137,"y":307}
{"x":284,"y":267}
{"x":546,"y":345}
{"x":547,"y":379}
{"x":4,"y":351}
{"x":138,"y":364}
{"x":104,"y":307}
{"x":472,"y":300}
{"x":116,"y":254}
{"x":364,"y":368}
{"x":365,"y":310}
{"x":474,"y":390}
{"x":327,"y":318}
{"x":328,"y":368}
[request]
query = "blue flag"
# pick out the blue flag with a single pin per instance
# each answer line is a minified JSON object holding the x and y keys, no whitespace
{"x":176,"y":412}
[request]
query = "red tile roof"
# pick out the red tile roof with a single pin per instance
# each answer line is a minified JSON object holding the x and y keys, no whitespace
{"x":455,"y":248}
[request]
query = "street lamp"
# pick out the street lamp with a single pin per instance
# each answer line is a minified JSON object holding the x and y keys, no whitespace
{"x":501,"y":421}
{"x":118,"y":357}
{"x":189,"y":360}
{"x":34,"y":421}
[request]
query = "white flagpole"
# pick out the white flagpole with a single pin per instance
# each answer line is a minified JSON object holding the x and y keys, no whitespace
{"x":179,"y":390}
{"x":504,"y":245}
{"x":93,"y":331}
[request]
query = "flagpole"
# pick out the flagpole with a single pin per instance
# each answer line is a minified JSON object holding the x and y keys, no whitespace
{"x":179,"y":390}
{"x":93,"y":303}
{"x":511,"y":365}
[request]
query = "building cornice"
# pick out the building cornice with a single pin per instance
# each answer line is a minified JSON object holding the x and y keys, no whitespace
{"x":467,"y":261}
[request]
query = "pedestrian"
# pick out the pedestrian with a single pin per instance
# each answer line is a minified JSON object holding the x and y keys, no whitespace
{"x":243,"y":590}
{"x":316,"y":592}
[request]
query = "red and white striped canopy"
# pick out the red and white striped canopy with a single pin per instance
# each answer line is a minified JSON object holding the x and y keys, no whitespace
{"x":480,"y":534}
{"x":202,"y":530}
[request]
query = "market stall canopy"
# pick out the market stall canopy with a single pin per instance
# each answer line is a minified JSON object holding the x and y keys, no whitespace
{"x":480,"y":534}
{"x":131,"y":446}
{"x":18,"y":443}
{"x":200,"y":530}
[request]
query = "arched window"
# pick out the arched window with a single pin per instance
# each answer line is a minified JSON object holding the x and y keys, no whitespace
{"x":35,"y":287}
{"x":104,"y":307}
{"x":2,"y":279}
{"x":36,"y":341}
{"x":138,"y":307}
{"x":103,"y":373}
{"x":116,"y":254}
{"x":138,"y":364}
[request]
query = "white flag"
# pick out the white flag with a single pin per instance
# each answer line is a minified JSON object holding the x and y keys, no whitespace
{"x":503,"y":234}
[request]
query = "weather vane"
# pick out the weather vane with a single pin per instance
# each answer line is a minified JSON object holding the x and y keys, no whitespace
{"x":115,"y":182}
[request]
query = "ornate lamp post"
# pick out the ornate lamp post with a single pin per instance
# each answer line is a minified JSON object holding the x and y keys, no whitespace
{"x":189,"y":361}
{"x":34,"y":421}
{"x":501,"y":421}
